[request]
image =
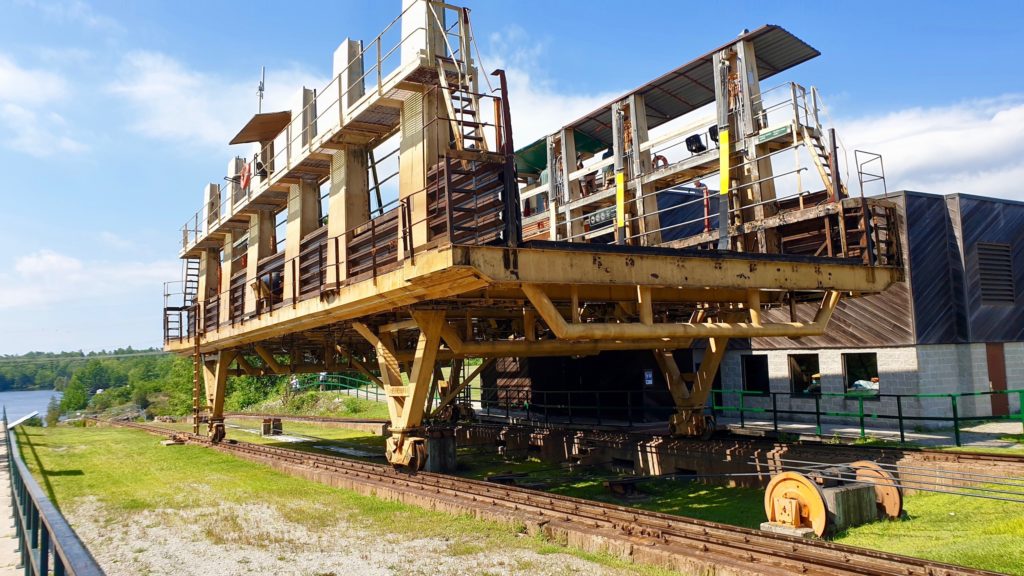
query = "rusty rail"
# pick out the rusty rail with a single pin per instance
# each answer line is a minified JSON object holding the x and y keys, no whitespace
{"x":648,"y":536}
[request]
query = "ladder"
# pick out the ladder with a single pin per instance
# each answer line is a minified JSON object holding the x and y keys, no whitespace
{"x":197,"y":360}
{"x":190,"y":281}
{"x":825,"y":162}
{"x":462,"y":103}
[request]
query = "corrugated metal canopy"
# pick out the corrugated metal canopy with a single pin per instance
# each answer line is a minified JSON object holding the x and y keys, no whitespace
{"x":263,"y":127}
{"x":692,"y":85}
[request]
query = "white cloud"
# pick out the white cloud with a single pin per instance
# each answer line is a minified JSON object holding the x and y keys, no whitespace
{"x":29,"y":87}
{"x":971,"y":147}
{"x":539,"y":106}
{"x":117,"y":242}
{"x":75,"y":11}
{"x":34,"y":133}
{"x":173,"y":102}
{"x":28,"y":123}
{"x":47,"y":278}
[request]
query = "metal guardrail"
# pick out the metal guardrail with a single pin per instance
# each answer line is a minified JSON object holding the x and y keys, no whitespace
{"x":572,"y":406}
{"x":629,"y":406}
{"x":873,"y":411}
{"x":46,"y":542}
{"x":357,"y":387}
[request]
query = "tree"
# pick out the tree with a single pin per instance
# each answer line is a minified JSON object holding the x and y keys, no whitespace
{"x":76,"y":396}
{"x":53,"y":411}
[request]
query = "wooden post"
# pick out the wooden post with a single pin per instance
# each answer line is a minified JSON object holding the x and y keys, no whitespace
{"x":348,"y":207}
{"x":261,"y":245}
{"x":640,"y":164}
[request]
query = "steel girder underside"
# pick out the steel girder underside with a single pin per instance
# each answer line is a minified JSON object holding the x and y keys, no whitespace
{"x":545,"y":299}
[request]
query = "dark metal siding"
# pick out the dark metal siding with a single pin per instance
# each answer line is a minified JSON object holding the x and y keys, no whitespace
{"x":935,"y":271}
{"x":996,"y":221}
{"x":941,"y":302}
{"x":875,"y":320}
{"x":871,"y":321}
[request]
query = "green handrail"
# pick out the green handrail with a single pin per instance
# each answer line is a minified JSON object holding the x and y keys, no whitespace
{"x":953,"y":397}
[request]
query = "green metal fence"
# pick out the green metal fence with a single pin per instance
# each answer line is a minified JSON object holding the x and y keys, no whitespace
{"x":872,"y":412}
{"x":46,"y":542}
{"x":354,"y":384}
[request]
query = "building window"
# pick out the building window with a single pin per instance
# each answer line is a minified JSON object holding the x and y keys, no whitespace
{"x":861,"y":372}
{"x":995,"y":273}
{"x":755,"y":374}
{"x":804,"y":375}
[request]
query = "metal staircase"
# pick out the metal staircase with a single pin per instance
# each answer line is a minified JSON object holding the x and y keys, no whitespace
{"x":462,"y":102}
{"x":824,"y":156}
{"x":468,"y":191}
{"x":190,"y":279}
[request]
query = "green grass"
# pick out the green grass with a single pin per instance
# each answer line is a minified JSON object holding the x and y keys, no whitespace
{"x":973,"y":532}
{"x":980,"y":533}
{"x":324,"y":436}
{"x":736,"y":506}
{"x":128,"y":471}
{"x":315,"y":403}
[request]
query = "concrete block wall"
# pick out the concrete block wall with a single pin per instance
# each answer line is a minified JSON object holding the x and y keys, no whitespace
{"x":924,"y":369}
{"x":952,"y":368}
{"x":1014,"y":352}
{"x":897,"y":369}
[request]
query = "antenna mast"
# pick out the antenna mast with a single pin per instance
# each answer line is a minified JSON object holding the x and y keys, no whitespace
{"x":262,"y":87}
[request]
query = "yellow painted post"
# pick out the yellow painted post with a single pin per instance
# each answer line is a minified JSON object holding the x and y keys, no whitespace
{"x":620,"y":207}
{"x":723,"y":198}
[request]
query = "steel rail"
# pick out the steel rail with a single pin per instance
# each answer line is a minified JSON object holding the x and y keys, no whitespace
{"x":701,"y":540}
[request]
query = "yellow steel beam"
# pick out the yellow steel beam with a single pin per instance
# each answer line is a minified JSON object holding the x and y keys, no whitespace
{"x":625,"y":331}
{"x":353,"y":361}
{"x":269,"y":360}
{"x":533,"y":348}
{"x":454,"y":392}
{"x":659,"y":269}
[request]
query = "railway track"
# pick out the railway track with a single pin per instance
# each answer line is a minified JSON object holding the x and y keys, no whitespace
{"x":646,"y":537}
{"x":314,"y":419}
{"x":851,"y":452}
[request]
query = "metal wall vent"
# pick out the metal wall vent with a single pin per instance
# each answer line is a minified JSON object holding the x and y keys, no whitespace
{"x":995,"y":273}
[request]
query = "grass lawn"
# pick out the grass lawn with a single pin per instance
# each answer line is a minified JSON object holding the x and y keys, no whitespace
{"x":315,"y":403}
{"x":736,"y":506}
{"x":979,"y":533}
{"x":324,"y":436}
{"x":129,"y":472}
{"x":972,"y":532}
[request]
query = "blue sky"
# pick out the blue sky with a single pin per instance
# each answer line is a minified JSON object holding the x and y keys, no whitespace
{"x":113,"y":115}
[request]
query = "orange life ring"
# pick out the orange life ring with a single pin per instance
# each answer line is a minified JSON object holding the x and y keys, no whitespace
{"x":246,"y":174}
{"x":660,"y":161}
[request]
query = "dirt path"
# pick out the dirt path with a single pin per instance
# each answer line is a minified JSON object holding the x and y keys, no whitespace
{"x":243,"y":539}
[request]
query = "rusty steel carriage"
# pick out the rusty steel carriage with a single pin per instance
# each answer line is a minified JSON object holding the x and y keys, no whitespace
{"x":297,"y":264}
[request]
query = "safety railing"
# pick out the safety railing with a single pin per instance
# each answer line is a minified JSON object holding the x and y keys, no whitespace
{"x":312,"y":263}
{"x":354,"y":384}
{"x":600,"y":407}
{"x":363,"y":80}
{"x":586,"y":201}
{"x":179,"y":322}
{"x":46,"y":542}
{"x":465,"y":203}
{"x":236,"y":295}
{"x":869,"y":408}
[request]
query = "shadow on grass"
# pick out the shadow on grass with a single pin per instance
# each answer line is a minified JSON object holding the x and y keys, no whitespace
{"x":25,"y":440}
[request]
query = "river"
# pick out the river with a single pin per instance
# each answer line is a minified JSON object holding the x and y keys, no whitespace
{"x":22,"y":402}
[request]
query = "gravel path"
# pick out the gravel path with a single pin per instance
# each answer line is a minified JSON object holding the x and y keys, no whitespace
{"x":243,"y":539}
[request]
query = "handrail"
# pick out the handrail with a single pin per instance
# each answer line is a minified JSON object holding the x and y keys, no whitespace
{"x":44,"y":535}
{"x":308,"y":121}
{"x":953,"y":397}
{"x":366,"y":251}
